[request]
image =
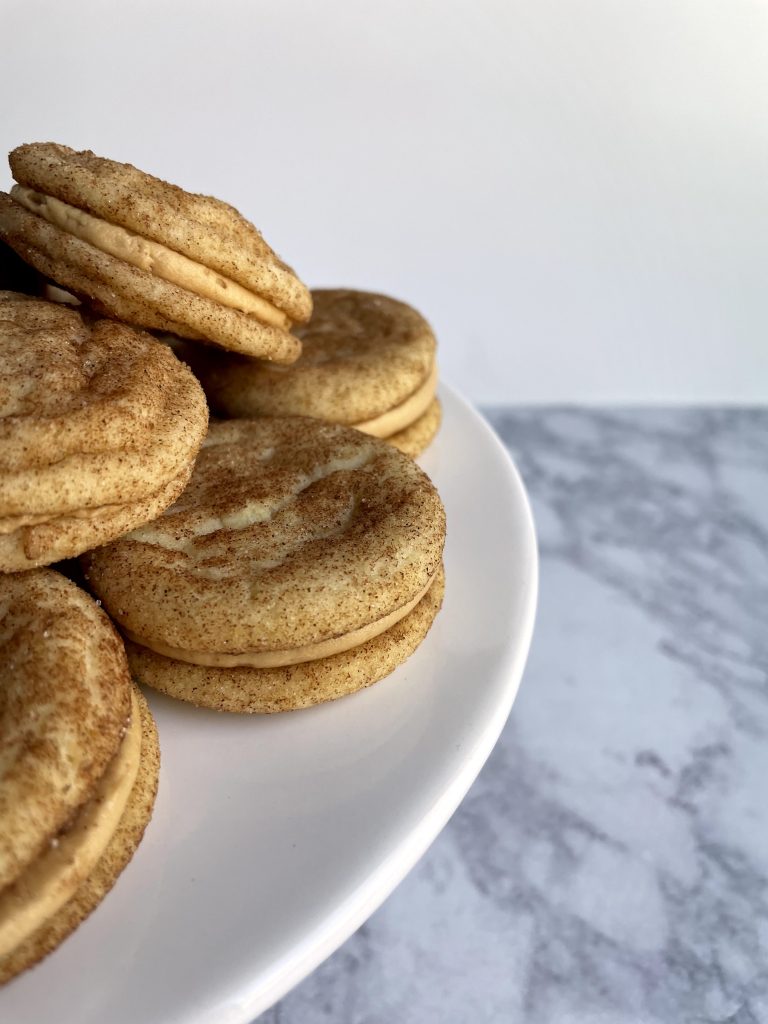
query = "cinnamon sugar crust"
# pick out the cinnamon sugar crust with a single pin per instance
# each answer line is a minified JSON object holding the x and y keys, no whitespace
{"x":50,"y":539}
{"x":64,"y":703}
{"x":116,"y":856}
{"x":99,"y":428}
{"x":362,"y":355}
{"x":291,"y":532}
{"x":200,"y":227}
{"x":269,"y":690}
{"x":147,"y":252}
{"x":116,"y":289}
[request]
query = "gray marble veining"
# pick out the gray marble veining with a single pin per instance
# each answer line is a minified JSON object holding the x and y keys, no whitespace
{"x":610,"y":864}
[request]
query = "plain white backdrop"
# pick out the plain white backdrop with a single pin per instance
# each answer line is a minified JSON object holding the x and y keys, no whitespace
{"x":575,"y":192}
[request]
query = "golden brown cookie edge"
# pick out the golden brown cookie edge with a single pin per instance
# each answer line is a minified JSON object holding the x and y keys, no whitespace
{"x":266,"y":691}
{"x":417,"y":437}
{"x":136,"y":296}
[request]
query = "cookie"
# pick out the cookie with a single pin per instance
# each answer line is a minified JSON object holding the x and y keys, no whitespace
{"x":99,"y":428}
{"x":79,"y":762}
{"x":149,"y":253}
{"x":296,"y":542}
{"x":367,"y":361}
{"x":288,"y":688}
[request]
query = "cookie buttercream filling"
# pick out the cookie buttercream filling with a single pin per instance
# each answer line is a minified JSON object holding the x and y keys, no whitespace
{"x":53,"y":878}
{"x":146,"y":254}
{"x":404,"y":414}
{"x":280,"y":659}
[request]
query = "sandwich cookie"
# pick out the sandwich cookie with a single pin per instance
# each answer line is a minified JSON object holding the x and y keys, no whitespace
{"x":367,"y":362}
{"x":99,"y":428}
{"x":149,"y":253}
{"x":79,"y":763}
{"x":303,"y":562}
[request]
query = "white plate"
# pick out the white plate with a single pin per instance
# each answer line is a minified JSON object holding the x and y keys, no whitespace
{"x":273,"y":838}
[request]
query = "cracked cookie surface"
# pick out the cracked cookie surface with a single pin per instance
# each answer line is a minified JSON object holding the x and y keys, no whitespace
{"x":291,"y":532}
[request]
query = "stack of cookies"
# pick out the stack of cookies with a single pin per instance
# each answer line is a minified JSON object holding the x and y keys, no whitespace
{"x":286,"y":554}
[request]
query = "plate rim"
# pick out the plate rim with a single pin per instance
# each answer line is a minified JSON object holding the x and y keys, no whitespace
{"x":296,"y":965}
{"x":237,"y":996}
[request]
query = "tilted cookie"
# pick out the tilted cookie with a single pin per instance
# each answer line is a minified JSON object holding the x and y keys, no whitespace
{"x":99,"y":428}
{"x":302,"y":562}
{"x":149,"y":253}
{"x":367,"y":361}
{"x":79,"y":763}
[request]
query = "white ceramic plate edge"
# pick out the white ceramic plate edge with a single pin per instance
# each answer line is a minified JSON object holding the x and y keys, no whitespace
{"x":321,"y":942}
{"x":117,"y":975}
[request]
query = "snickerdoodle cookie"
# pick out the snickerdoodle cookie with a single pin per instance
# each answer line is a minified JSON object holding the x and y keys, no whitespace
{"x":148,"y":253}
{"x":79,"y":763}
{"x":303,"y":561}
{"x":367,"y":361}
{"x":99,"y":428}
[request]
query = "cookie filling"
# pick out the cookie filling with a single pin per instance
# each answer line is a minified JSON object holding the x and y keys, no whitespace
{"x":52,"y":879}
{"x":151,"y":256}
{"x":279,"y":659}
{"x":403,"y":415}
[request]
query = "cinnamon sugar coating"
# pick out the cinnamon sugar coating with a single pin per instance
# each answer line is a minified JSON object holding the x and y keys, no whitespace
{"x":413,"y":440}
{"x":116,"y":856}
{"x":201,"y":227}
{"x":64,"y":702}
{"x":362,"y":355}
{"x":264,"y":691}
{"x":291,"y":532}
{"x":99,"y":427}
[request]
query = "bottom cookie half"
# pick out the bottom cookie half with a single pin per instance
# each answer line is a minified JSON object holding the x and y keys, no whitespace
{"x":413,"y":439}
{"x":67,"y":536}
{"x":266,"y":690}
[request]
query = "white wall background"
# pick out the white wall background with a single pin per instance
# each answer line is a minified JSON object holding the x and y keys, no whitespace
{"x":574,"y":191}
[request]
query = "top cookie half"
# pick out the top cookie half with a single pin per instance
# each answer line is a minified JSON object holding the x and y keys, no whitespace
{"x":149,"y":253}
{"x":292,"y":534}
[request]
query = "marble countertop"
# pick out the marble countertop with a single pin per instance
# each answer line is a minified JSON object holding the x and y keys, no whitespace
{"x":610,"y":864}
